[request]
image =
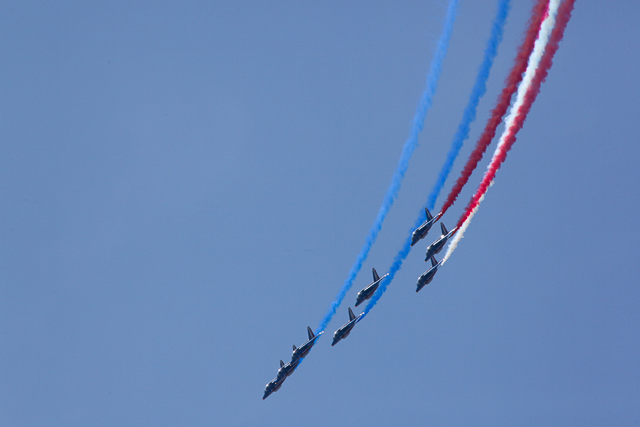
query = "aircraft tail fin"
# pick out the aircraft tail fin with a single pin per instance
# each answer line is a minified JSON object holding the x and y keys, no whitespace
{"x":310,"y":333}
{"x":351,"y":315}
{"x":294,"y":347}
{"x":281,"y":363}
{"x":444,"y":229}
{"x":375,"y":275}
{"x":433,"y":261}
{"x":429,"y":216}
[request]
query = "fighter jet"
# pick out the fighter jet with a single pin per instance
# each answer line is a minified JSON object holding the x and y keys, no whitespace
{"x":276,"y":383}
{"x":273,"y":385}
{"x":367,"y":292}
{"x":345,"y":329}
{"x":437,"y":246}
{"x":422,"y":231}
{"x":303,"y":350}
{"x":427,"y":276}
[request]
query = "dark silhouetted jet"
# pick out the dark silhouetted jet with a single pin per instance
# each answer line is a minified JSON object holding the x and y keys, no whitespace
{"x":283,"y":373}
{"x":427,"y":276}
{"x":367,"y":292}
{"x":437,"y":246}
{"x":345,"y":329}
{"x":422,"y":231}
{"x":303,"y":350}
{"x":273,"y":385}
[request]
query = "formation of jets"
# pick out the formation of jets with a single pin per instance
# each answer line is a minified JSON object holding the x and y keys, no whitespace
{"x":433,"y":250}
{"x":287,"y":370}
{"x":366,"y":293}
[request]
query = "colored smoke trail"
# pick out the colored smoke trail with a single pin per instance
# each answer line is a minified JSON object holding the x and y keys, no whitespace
{"x":395,"y":267}
{"x":542,"y":62}
{"x":504,"y":100}
{"x":408,"y":149}
{"x":478,"y":91}
{"x":469,"y":115}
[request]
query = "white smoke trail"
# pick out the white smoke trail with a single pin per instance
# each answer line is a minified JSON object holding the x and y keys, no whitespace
{"x":534,"y":60}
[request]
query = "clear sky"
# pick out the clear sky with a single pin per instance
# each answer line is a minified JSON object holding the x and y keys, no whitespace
{"x":185,"y":186}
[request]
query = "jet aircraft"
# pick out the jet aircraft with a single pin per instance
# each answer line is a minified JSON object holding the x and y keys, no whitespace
{"x":283,"y":373}
{"x":303,"y":350}
{"x":422,"y":231}
{"x":437,"y":246}
{"x":367,"y":292}
{"x":273,"y":385}
{"x":427,"y":276}
{"x":345,"y":329}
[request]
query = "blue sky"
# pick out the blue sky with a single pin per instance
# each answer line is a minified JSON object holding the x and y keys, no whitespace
{"x":184,"y":187}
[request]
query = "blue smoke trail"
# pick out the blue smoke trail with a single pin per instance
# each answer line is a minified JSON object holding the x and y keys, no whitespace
{"x":469,"y":115}
{"x":403,"y":164}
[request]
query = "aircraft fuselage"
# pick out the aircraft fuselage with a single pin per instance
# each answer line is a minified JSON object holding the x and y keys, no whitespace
{"x":304,"y":349}
{"x":422,"y":231}
{"x":343,"y":332}
{"x":287,"y":369}
{"x":273,"y":386}
{"x":437,"y":246}
{"x":345,"y":329}
{"x":367,"y":292}
{"x":427,"y":276}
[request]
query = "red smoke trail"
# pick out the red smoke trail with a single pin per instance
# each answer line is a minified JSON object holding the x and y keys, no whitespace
{"x":511,"y":84}
{"x":564,"y":14}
